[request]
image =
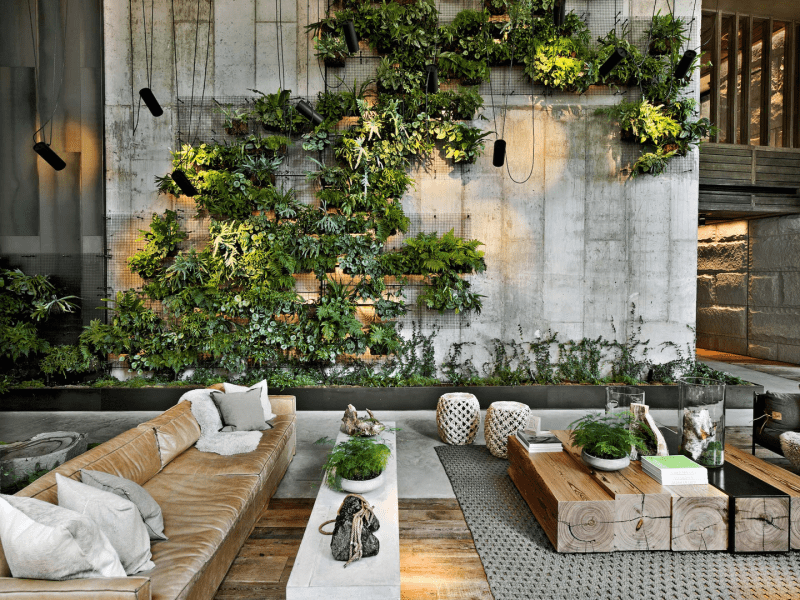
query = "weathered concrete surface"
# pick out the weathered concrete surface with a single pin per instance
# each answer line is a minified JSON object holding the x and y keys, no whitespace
{"x":569,"y":249}
{"x":767,"y":288}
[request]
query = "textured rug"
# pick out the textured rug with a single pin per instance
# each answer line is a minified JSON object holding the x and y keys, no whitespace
{"x":521,"y":563}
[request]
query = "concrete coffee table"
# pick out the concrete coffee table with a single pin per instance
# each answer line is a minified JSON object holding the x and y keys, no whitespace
{"x":316,"y":575}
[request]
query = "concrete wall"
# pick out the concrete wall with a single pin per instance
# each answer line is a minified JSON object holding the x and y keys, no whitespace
{"x":748,"y":288}
{"x":569,"y":250}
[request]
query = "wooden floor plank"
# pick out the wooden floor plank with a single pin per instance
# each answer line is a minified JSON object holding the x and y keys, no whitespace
{"x":289,"y":517}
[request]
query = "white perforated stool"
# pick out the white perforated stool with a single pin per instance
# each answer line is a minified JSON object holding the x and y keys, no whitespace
{"x":503,"y":419}
{"x":458,"y":416}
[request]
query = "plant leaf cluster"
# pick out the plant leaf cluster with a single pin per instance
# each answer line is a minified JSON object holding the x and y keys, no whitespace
{"x":356,"y":459}
{"x":607,"y":436}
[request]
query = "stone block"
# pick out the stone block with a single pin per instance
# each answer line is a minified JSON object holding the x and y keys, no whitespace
{"x":725,"y":256}
{"x":735,"y":231}
{"x":789,"y":353}
{"x":722,"y":320}
{"x":706,"y":233}
{"x":780,"y":251}
{"x":761,"y":228}
{"x":763,"y":350}
{"x":790,"y":224}
{"x":791,"y":289}
{"x":705,"y":290}
{"x":731,"y":289}
{"x":776,"y":325}
{"x":764,"y":290}
{"x":732,"y":345}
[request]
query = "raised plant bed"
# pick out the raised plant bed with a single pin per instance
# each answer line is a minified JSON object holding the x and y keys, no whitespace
{"x":337,"y":398}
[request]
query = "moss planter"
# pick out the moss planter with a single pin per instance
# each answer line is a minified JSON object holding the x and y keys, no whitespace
{"x":338,"y":397}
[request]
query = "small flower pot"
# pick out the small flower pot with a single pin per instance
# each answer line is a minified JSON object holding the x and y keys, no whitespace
{"x":605,"y":464}
{"x":337,"y":61}
{"x":361,"y":487}
{"x":238,"y":127}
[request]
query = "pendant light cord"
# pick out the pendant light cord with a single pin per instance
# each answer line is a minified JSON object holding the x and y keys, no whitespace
{"x":177,"y":91}
{"x":533,"y":111}
{"x":37,"y":70}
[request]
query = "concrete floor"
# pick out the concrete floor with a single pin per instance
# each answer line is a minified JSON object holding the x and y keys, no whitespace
{"x":420,"y":474}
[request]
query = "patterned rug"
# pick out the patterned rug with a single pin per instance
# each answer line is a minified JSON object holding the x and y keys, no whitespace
{"x":521,"y":563}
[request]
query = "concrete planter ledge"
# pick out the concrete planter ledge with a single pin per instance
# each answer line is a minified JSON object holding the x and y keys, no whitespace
{"x":559,"y":397}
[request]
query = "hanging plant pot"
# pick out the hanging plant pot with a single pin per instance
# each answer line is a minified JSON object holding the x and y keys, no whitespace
{"x":605,"y":464}
{"x":361,"y":487}
{"x":337,"y":61}
{"x":655,"y":51}
{"x":626,"y":135}
{"x":237,"y":127}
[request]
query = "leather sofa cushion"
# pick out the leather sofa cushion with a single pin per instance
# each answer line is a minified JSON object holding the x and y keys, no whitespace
{"x":176,"y":430}
{"x":199,"y":513}
{"x":133,"y":455}
{"x":259,"y":462}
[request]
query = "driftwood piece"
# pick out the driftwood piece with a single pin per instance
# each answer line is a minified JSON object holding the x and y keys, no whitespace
{"x":641,"y":412}
{"x":353,"y":425}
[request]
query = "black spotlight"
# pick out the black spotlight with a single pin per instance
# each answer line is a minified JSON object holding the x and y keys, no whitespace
{"x":499,"y":155}
{"x":180,"y":178}
{"x":612,"y":61}
{"x":351,"y":37}
{"x":52,"y":159}
{"x":146,"y":94}
{"x":559,"y":13}
{"x":431,"y":79}
{"x":684,"y":64}
{"x":305,"y":109}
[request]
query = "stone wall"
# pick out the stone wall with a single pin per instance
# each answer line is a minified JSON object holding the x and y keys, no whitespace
{"x":748,"y":288}
{"x":570,"y":249}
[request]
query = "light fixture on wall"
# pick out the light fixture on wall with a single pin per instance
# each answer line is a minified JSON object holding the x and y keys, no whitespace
{"x":617,"y":56}
{"x":499,"y":153}
{"x":182,"y":181}
{"x":305,"y":109}
{"x":351,"y":37}
{"x":50,"y":157}
{"x":684,"y":64}
{"x":701,"y":220}
{"x":431,"y":79}
{"x":149,"y":99}
{"x":559,"y":13}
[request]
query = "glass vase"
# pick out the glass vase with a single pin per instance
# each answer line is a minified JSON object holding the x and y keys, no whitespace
{"x":701,"y":420}
{"x":620,"y":397}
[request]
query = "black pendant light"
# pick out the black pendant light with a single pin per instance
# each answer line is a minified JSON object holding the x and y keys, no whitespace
{"x":50,"y":157}
{"x":559,"y":13}
{"x":149,"y":99}
{"x":305,"y":109}
{"x":182,"y":181}
{"x":612,"y":61}
{"x":351,"y":37}
{"x":431,"y":79}
{"x":499,"y":154}
{"x":684,"y":64}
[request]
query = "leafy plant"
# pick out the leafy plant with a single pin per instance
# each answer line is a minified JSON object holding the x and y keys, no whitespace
{"x":65,"y":358}
{"x":463,"y":143}
{"x":606,"y":436}
{"x":666,"y":34}
{"x":162,"y":240}
{"x":277,"y":114}
{"x":356,"y":459}
{"x":235,"y":122}
{"x":331,"y":49}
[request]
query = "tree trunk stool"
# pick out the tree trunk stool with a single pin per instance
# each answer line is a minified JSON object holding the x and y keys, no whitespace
{"x":458,"y":416}
{"x":503,"y":419}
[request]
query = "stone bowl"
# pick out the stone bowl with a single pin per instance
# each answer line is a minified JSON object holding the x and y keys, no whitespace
{"x":605,"y":464}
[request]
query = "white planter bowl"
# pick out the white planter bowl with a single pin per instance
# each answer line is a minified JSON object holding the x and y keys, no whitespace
{"x":361,"y":487}
{"x":605,"y":464}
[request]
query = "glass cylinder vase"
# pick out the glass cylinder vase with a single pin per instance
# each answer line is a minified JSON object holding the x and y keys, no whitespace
{"x":701,"y":420}
{"x":620,"y":397}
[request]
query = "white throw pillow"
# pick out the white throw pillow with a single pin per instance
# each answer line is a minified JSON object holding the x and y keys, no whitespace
{"x":116,"y":516}
{"x":262,"y":385}
{"x":44,"y":541}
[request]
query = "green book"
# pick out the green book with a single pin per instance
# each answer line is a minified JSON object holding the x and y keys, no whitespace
{"x":672,"y":462}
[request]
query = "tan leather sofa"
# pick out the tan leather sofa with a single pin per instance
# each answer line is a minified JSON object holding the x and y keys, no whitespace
{"x":210,"y":505}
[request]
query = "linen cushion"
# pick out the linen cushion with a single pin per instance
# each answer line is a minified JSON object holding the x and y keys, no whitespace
{"x":44,"y":541}
{"x":148,"y":508}
{"x":263,"y":388}
{"x":241,"y":411}
{"x":116,"y":517}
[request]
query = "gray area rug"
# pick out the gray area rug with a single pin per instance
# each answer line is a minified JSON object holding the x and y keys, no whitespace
{"x":521,"y":563}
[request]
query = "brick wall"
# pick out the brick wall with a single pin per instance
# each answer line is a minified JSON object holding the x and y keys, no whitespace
{"x":748,"y":288}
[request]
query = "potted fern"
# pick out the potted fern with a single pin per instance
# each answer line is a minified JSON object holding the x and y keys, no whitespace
{"x":606,"y":440}
{"x":357,"y":465}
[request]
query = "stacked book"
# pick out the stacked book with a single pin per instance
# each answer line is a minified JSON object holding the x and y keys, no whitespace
{"x":674,"y":470}
{"x":542,"y":441}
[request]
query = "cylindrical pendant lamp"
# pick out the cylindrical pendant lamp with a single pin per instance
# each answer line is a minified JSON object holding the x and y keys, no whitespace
{"x":149,"y":99}
{"x":684,"y":64}
{"x":50,"y":157}
{"x":612,"y":61}
{"x":499,"y":154}
{"x":351,"y":37}
{"x":182,"y":181}
{"x":305,"y":109}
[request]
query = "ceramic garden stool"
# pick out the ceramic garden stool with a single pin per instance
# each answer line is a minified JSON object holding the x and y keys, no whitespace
{"x":458,"y":416}
{"x":503,"y":419}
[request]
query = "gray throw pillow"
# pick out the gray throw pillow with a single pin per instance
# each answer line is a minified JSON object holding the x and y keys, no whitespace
{"x":44,"y":541}
{"x":117,"y":517}
{"x":241,"y":411}
{"x":130,"y":490}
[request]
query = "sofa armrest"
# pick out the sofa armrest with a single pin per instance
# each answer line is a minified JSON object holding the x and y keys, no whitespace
{"x":117,"y":588}
{"x":283,"y":405}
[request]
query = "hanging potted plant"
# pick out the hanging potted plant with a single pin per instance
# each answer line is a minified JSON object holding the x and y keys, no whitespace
{"x":666,"y":34}
{"x":235,"y":122}
{"x":356,"y":465}
{"x":331,"y":49}
{"x":606,"y":440}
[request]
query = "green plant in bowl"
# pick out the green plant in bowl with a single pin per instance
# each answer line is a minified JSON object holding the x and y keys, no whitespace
{"x":607,"y":436}
{"x":357,"y":459}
